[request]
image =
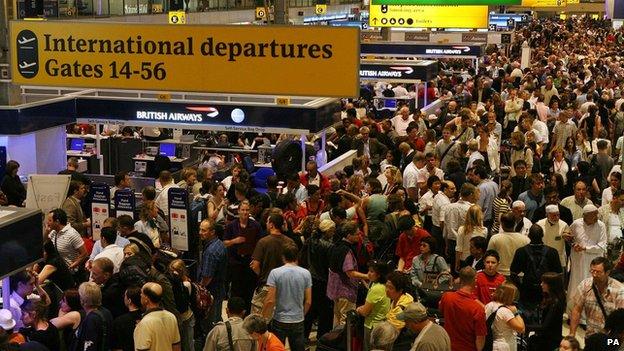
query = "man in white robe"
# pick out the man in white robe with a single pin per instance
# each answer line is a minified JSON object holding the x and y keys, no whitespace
{"x":556,"y":232}
{"x":589,"y":241}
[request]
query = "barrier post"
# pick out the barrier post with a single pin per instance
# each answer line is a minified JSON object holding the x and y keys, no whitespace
{"x":303,"y":152}
{"x":6,"y":293}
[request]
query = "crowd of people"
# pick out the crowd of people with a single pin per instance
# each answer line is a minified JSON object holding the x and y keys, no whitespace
{"x":485,"y":225}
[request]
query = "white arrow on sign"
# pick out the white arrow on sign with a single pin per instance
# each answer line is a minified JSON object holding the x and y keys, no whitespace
{"x":408,"y":70}
{"x":463,"y":48}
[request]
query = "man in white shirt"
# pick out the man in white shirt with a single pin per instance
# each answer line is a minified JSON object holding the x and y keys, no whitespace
{"x":401,"y":121}
{"x":429,"y":170}
{"x":97,"y":247}
{"x":521,"y":223}
{"x":513,"y":109}
{"x":294,"y":186}
{"x":410,"y":175}
{"x":548,"y":91}
{"x":162,"y":200}
{"x":455,"y":217}
{"x":108,"y":236}
{"x":517,"y":72}
{"x":66,"y":239}
{"x":590,"y":241}
{"x":440,"y":201}
{"x":22,"y":285}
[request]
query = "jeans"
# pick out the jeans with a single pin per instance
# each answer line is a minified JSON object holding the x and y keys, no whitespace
{"x":213,"y":316}
{"x":292,"y":331}
{"x":187,"y":328}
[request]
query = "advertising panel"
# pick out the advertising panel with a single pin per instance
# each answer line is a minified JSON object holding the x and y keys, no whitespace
{"x":100,"y":208}
{"x":178,"y":218}
{"x":124,"y":202}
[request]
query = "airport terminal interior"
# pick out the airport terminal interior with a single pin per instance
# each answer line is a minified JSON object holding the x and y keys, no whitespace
{"x":311,"y":175}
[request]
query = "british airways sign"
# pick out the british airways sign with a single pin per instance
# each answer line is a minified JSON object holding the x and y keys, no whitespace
{"x":398,"y":71}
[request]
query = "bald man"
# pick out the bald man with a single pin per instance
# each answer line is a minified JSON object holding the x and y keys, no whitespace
{"x":402,"y":120}
{"x":158,"y":330}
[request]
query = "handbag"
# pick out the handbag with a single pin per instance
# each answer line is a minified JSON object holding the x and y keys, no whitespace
{"x":203,"y":299}
{"x":431,"y":291}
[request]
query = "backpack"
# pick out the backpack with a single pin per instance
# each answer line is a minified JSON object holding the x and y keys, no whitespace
{"x":537,"y":268}
{"x":181,"y":294}
{"x":337,"y":255}
{"x":133,"y":271}
{"x":489,"y":338}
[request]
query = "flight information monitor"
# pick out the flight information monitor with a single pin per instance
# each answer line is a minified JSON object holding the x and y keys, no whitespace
{"x":167,"y":149}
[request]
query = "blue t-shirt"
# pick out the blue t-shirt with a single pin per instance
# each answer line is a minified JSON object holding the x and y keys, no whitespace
{"x":290,"y":283}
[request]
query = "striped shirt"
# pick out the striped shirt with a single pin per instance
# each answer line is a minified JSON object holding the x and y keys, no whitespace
{"x":500,"y":206}
{"x":67,"y":242}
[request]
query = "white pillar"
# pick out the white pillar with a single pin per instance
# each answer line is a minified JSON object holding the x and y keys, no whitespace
{"x":526,"y":55}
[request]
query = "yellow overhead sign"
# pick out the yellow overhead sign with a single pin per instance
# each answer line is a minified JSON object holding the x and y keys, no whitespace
{"x":320,"y":9}
{"x":280,"y":60}
{"x":543,"y":3}
{"x":413,"y":16}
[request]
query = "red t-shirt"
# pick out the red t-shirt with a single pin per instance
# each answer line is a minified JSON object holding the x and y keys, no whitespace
{"x":486,"y":285}
{"x":464,"y":319}
{"x":409,"y":247}
{"x":88,"y":244}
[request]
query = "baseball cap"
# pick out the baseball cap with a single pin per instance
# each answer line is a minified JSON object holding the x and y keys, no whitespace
{"x":415,"y":312}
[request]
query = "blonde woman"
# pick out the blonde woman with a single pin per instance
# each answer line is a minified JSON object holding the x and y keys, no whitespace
{"x":147,"y":222}
{"x":472,"y":227}
{"x":520,"y":151}
{"x":181,"y":284}
{"x":507,"y":321}
{"x":560,"y":165}
{"x":394,"y":180}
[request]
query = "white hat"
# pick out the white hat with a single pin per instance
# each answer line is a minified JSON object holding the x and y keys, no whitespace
{"x":589,"y":208}
{"x":6,"y":319}
{"x":552,"y":209}
{"x":517,"y":203}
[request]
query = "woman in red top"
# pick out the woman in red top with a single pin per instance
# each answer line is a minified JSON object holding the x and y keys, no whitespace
{"x":488,"y":279}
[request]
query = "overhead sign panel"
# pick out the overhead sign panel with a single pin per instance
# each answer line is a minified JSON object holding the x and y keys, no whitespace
{"x":411,"y":16}
{"x":447,"y":2}
{"x":543,"y":3}
{"x":421,"y":50}
{"x":288,"y":60}
{"x":398,"y":71}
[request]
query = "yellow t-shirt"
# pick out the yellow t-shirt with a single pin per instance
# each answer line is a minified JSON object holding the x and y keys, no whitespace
{"x":391,"y":317}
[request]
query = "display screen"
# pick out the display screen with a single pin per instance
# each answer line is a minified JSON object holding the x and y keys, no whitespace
{"x":390,"y":103}
{"x":21,"y":244}
{"x":167,"y":149}
{"x":506,"y":20}
{"x":76,"y":144}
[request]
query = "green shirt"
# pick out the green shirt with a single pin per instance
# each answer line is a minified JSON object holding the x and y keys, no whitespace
{"x":381,"y":305}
